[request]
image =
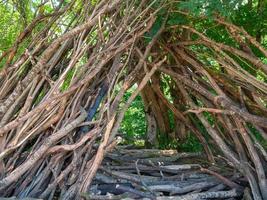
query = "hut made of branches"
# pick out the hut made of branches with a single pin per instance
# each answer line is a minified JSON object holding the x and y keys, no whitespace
{"x":61,"y":97}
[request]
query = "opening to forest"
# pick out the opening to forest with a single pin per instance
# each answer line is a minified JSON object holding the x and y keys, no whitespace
{"x":133,"y":99}
{"x":137,"y":129}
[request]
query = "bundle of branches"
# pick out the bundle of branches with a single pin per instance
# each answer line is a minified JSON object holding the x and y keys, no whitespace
{"x":162,"y":174}
{"x":61,"y":98}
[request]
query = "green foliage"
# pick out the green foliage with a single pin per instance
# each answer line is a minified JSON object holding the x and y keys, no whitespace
{"x":252,"y":17}
{"x":133,"y":125}
{"x":210,"y":7}
{"x":94,"y":2}
{"x":15,"y":15}
{"x":9,"y":26}
{"x":177,"y":19}
{"x":166,"y":143}
{"x":67,"y":80}
{"x":155,"y":28}
{"x":165,"y":86}
{"x":190,"y":144}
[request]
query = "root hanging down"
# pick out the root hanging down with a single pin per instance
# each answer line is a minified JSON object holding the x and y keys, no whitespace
{"x":62,"y":103}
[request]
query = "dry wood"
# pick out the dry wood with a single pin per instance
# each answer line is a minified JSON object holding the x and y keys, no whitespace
{"x":47,"y":144}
